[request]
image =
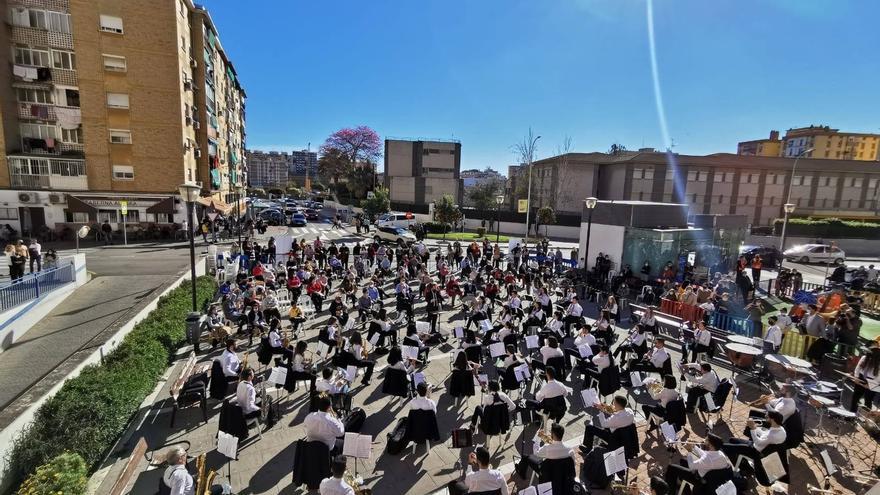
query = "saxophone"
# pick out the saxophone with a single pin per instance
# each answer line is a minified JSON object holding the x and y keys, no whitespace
{"x":355,"y":484}
{"x":204,"y":479}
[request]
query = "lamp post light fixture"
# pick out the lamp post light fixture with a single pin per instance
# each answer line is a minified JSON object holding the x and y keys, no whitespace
{"x":499,"y":200}
{"x":189,"y":191}
{"x":590,"y":203}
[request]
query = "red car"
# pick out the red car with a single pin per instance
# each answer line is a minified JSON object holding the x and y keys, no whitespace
{"x":311,"y":214}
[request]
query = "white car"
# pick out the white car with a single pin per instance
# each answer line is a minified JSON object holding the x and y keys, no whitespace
{"x":815,"y":253}
{"x":397,"y":235}
{"x":404,"y":220}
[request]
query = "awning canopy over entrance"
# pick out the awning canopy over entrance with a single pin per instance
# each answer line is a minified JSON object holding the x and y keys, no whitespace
{"x":76,"y":205}
{"x":164,"y":206}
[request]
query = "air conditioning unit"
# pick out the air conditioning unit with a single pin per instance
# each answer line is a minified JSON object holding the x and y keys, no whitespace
{"x":28,"y":198}
{"x":196,"y":124}
{"x":198,"y":153}
{"x":55,"y":199}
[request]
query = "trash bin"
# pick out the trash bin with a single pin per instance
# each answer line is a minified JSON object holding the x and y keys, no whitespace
{"x":194,"y":329}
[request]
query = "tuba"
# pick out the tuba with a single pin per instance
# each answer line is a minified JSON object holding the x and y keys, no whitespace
{"x":205,"y":478}
{"x":356,"y":484}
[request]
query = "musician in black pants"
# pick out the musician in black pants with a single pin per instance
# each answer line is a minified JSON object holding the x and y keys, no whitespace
{"x":710,"y":459}
{"x":706,"y":383}
{"x":554,"y":449}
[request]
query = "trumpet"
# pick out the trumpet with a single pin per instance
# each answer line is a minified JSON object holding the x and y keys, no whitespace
{"x":605,"y":408}
{"x":760,"y":401}
{"x":654,"y":388}
{"x":544,"y":436}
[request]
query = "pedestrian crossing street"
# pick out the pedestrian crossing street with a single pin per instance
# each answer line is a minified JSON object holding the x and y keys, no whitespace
{"x":325,"y":231}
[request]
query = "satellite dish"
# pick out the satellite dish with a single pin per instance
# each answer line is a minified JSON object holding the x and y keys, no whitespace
{"x":83,"y":231}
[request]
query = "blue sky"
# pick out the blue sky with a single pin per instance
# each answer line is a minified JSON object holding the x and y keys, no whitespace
{"x":484,"y":71}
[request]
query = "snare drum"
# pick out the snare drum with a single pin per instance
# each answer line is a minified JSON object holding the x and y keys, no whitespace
{"x":741,"y":355}
{"x":842,"y":414}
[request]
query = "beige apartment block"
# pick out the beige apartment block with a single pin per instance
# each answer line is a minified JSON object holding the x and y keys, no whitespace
{"x":418,"y":173}
{"x":106,"y":101}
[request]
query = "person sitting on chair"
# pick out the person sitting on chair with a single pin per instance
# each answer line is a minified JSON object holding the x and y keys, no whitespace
{"x":702,"y":341}
{"x":336,"y":485}
{"x":357,"y":357}
{"x":783,"y":403}
{"x":706,"y":382}
{"x":653,"y":361}
{"x":483,"y":478}
{"x":573,"y":313}
{"x":495,"y":396}
{"x":176,"y":478}
{"x":323,"y":426}
{"x":708,"y":458}
{"x":275,"y":337}
{"x":549,"y":390}
{"x":422,"y":401}
{"x":414,"y":339}
{"x":621,"y":417}
{"x":602,"y":329}
{"x":584,"y":337}
{"x":230,"y":362}
{"x":759,"y":439}
{"x":326,"y":383}
{"x":636,"y":344}
{"x":300,"y":367}
{"x":536,"y":316}
{"x":549,"y":351}
{"x":246,"y":395}
{"x":664,"y":396}
{"x":598,"y":362}
{"x":555,"y":326}
{"x":554,"y":449}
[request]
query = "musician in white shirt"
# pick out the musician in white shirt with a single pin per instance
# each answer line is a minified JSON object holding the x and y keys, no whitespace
{"x":573,"y":313}
{"x":550,"y":390}
{"x":323,"y":425}
{"x":867,"y":373}
{"x":773,"y":337}
{"x":555,"y":449}
{"x":483,"y":478}
{"x":760,"y":439}
{"x":648,"y":321}
{"x":176,"y":477}
{"x":635,"y":343}
{"x":549,"y":351}
{"x":597,"y":363}
{"x":706,"y":382}
{"x":336,"y":485}
{"x":584,"y":338}
{"x":653,"y":361}
{"x":702,"y":341}
{"x":327,"y":384}
{"x":275,"y":344}
{"x":664,"y":396}
{"x":229,"y":361}
{"x":494,"y":396}
{"x":555,"y":326}
{"x":784,"y":403}
{"x":621,"y":417}
{"x":515,"y":302}
{"x":422,"y":401}
{"x":246,"y":395}
{"x":694,"y":469}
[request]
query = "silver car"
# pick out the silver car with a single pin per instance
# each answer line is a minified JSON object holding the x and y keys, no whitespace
{"x":815,"y":253}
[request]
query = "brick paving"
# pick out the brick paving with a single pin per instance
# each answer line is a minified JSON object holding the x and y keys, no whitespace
{"x":265,"y":464}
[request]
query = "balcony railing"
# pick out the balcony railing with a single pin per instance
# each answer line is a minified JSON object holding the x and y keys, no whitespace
{"x":41,"y":37}
{"x":36,"y":172}
{"x":36,"y":111}
{"x":54,"y":5}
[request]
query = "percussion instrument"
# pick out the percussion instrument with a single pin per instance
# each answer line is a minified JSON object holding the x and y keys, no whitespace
{"x":740,"y":339}
{"x":791,"y":366}
{"x":741,"y":355}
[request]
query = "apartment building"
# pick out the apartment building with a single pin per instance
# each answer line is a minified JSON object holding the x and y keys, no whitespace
{"x":824,"y":142}
{"x":721,"y":183}
{"x":421,"y":172}
{"x":105,"y":101}
{"x":268,"y":169}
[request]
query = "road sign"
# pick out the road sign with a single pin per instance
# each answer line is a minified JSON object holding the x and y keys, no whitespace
{"x":213,"y":215}
{"x":522,"y":206}
{"x":123,"y":207}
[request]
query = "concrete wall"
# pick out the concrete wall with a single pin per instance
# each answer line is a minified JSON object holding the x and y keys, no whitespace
{"x":15,"y":322}
{"x":605,"y":239}
{"x":8,"y":434}
{"x":854,"y":248}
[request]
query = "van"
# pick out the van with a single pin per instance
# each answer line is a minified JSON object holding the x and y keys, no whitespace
{"x":405,"y":220}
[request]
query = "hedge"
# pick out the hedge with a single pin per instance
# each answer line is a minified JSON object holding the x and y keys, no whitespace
{"x":832,"y":228}
{"x":65,"y":474}
{"x":436,"y":227}
{"x":93,"y":409}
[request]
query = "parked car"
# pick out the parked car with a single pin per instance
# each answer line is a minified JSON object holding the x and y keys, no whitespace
{"x":770,"y":256}
{"x":298,"y":220}
{"x":273,"y":217}
{"x":404,"y":220}
{"x":816,"y":253}
{"x":311,"y":214}
{"x":397,"y":235}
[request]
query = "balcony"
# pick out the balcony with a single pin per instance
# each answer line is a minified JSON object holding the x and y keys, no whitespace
{"x":57,"y":174}
{"x":55,"y":5}
{"x":36,"y":111}
{"x":41,"y":37}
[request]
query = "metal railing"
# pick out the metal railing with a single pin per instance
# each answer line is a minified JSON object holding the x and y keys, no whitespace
{"x":35,"y":285}
{"x":772,"y":286}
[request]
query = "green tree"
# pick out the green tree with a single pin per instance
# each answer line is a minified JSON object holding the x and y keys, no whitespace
{"x":275,"y":191}
{"x":334,"y":164}
{"x":380,"y":203}
{"x":360,"y":180}
{"x":546,"y":216}
{"x":483,"y":196}
{"x":446,"y":211}
{"x":257,"y":192}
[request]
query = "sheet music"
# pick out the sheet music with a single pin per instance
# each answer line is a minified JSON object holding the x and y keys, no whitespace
{"x":350,"y":373}
{"x":773,"y":466}
{"x":522,"y":373}
{"x":423,"y":327}
{"x":532,"y":342}
{"x":357,"y":446}
{"x":323,"y":349}
{"x":375,"y":339}
{"x":499,"y":363}
{"x":496,"y":349}
{"x":727,"y":488}
{"x":636,"y":378}
{"x":227,"y":444}
{"x":829,"y":466}
{"x":278,"y":376}
{"x":529,"y":490}
{"x":545,"y":488}
{"x":481,"y":380}
{"x":590,"y":397}
{"x":458,"y":332}
{"x":410,"y":351}
{"x":485,"y":325}
{"x":585,"y":350}
{"x":668,"y":432}
{"x":615,"y":461}
{"x":710,"y":402}
{"x":418,"y":377}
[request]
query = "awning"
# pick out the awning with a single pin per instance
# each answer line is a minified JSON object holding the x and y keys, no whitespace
{"x":164,"y":206}
{"x":76,"y":205}
{"x":215,"y":204}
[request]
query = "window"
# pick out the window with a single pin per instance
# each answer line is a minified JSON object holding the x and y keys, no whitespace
{"x":720,"y":198}
{"x":119,"y":136}
{"x":638,"y":173}
{"x":8,"y":214}
{"x":72,"y":135}
{"x":771,"y":179}
{"x":114,"y":63}
{"x":856,"y":182}
{"x":692,"y":176}
{"x":825,"y":181}
{"x":132,"y":216}
{"x":68,"y":168}
{"x":117,"y":100}
{"x":123,"y":172}
{"x":38,"y":131}
{"x":71,"y":97}
{"x":77,"y":217}
{"x":37,"y":19}
{"x":28,"y":56}
{"x":109,"y":215}
{"x":63,"y":60}
{"x":111,"y":24}
{"x":649,"y":173}
{"x":31,"y":95}
{"x":872,"y":183}
{"x":58,"y":22}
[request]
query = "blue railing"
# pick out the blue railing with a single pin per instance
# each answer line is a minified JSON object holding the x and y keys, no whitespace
{"x":35,"y":285}
{"x":732,"y":324}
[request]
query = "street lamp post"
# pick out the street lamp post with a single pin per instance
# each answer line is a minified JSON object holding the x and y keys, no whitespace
{"x":189,"y":191}
{"x":531,"y":150}
{"x":499,"y":200}
{"x":788,"y":209}
{"x":239,"y":193}
{"x":590,"y":203}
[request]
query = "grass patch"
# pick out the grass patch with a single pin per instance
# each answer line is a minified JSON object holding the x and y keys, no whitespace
{"x":472,"y":236}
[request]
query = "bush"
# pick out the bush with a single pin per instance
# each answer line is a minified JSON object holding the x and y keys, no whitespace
{"x":91,"y":410}
{"x":65,"y":474}
{"x":832,"y":228}
{"x":481,"y":231}
{"x":436,"y":228}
